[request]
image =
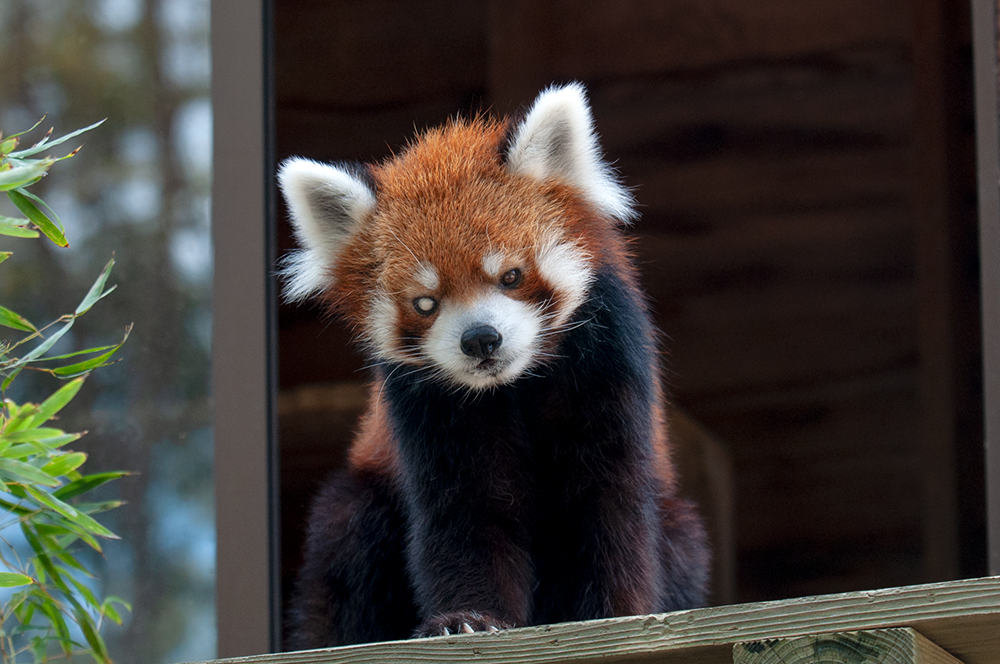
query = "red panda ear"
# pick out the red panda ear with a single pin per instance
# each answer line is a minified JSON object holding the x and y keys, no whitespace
{"x":556,"y":140}
{"x":326,"y":204}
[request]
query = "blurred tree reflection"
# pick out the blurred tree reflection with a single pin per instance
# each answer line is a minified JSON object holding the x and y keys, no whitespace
{"x":139,"y":190}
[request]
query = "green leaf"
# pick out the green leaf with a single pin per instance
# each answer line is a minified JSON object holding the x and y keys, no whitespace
{"x":86,"y":623}
{"x":87,"y":483}
{"x":35,"y":353}
{"x":24,"y":174}
{"x":85,"y":351}
{"x":15,"y":321}
{"x":4,"y":255}
{"x":37,"y":217}
{"x":70,"y":512}
{"x":64,"y":463}
{"x":40,"y":441}
{"x":59,"y":624}
{"x":25,"y":474}
{"x":70,"y":561}
{"x":9,"y":145}
{"x":31,"y":434}
{"x":51,"y":406}
{"x":25,"y":450}
{"x":44,"y":563}
{"x":96,"y":291}
{"x":70,"y":532}
{"x":12,"y":580}
{"x":42,"y":145}
{"x":14,"y":508}
{"x":108,"y":608}
{"x":30,"y":129}
{"x":85,"y":367}
{"x":14,"y":228}
{"x":86,"y":593}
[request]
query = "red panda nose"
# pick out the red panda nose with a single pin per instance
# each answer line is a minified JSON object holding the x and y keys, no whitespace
{"x":481,"y":341}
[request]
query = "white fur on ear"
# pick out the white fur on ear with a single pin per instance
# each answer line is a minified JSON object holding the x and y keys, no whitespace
{"x":326,"y":204}
{"x":557,"y":140}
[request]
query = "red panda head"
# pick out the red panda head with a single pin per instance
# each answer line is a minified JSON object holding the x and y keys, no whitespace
{"x":468,"y":254}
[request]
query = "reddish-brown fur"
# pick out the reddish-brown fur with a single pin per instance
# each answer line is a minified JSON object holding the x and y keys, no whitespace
{"x":550,"y":496}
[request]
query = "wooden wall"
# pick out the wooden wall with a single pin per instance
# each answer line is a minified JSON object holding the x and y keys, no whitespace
{"x":805,"y":175}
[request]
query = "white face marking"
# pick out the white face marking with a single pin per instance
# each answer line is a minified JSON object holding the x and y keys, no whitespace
{"x":493,"y":262}
{"x":382,"y":326}
{"x":567,"y":269}
{"x":427,"y":276}
{"x":518,"y":324}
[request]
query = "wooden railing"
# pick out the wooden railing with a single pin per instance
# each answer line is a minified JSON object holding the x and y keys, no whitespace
{"x":936,"y":623}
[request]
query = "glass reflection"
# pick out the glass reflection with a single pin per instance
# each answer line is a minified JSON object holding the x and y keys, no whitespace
{"x":139,"y":190}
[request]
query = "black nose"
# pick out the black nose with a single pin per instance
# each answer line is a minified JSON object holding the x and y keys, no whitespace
{"x":481,"y":341}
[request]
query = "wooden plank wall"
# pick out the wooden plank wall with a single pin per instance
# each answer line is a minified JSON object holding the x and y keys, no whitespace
{"x":779,"y":154}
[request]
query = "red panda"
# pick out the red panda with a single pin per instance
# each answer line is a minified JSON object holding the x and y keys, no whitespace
{"x":512,"y":466}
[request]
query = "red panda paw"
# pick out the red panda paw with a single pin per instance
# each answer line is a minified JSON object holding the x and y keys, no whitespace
{"x":460,"y":622}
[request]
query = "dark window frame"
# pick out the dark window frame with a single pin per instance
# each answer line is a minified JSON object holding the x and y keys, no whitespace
{"x":243,"y":375}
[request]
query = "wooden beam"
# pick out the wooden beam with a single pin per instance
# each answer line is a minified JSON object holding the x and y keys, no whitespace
{"x":880,"y":646}
{"x":962,"y":617}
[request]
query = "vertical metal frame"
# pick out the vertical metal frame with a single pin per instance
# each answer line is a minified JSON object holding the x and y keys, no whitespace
{"x":984,"y":26}
{"x":247,"y":593}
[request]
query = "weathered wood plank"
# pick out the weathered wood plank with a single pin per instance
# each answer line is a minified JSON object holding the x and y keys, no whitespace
{"x":963,"y":617}
{"x":901,"y":645}
{"x":372,"y":52}
{"x":738,"y":182}
{"x":861,"y":91}
{"x":608,"y":38}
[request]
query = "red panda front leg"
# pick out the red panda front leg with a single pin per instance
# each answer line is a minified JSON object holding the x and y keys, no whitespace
{"x":465,"y":478}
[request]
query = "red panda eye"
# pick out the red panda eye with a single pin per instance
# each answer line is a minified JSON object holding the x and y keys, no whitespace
{"x":511,"y":278}
{"x":425,"y":306}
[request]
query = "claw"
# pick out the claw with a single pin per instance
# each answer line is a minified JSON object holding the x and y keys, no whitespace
{"x":445,"y":631}
{"x":466,"y":629}
{"x":492,"y":629}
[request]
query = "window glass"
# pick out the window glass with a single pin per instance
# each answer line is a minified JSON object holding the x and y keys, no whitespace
{"x":138,"y":191}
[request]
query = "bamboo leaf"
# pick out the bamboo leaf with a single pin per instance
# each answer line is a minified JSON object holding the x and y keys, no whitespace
{"x":108,"y":609}
{"x":51,"y":406}
{"x":14,"y":508}
{"x":85,"y":351}
{"x":13,"y":580}
{"x":25,"y":474}
{"x":41,"y":145}
{"x":85,"y":367}
{"x":96,"y":291}
{"x":64,"y":463}
{"x":59,"y":624}
{"x":42,"y":204}
{"x":29,"y":435}
{"x":86,"y":623}
{"x":46,"y":499}
{"x":37,"y":217}
{"x":35,"y":353}
{"x":30,"y":129}
{"x":24,"y":175}
{"x":16,"y":227}
{"x":15,"y":321}
{"x":70,"y":561}
{"x":87,"y":483}
{"x":65,"y":509}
